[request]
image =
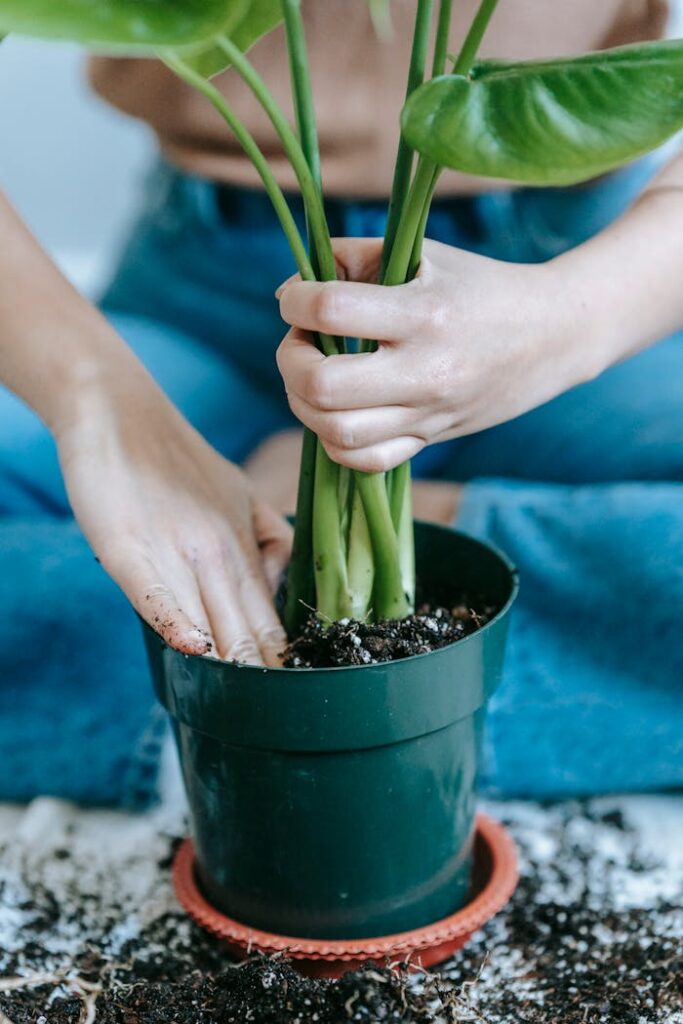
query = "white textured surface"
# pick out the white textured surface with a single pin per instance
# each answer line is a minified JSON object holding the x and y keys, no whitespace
{"x":74,"y":882}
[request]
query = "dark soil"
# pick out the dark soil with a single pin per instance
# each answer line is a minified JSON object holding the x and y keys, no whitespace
{"x":270,"y":991}
{"x":349,"y":642}
{"x":584,"y":941}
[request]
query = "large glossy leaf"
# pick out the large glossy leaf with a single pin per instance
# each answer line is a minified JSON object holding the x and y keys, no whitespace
{"x":257,"y":18}
{"x":131,"y":25}
{"x":552,"y":122}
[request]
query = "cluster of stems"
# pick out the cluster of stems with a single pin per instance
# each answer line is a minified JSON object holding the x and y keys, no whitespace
{"x":353,"y":554}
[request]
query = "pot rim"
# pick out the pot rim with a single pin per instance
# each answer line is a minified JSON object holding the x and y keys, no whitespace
{"x":478,"y":633}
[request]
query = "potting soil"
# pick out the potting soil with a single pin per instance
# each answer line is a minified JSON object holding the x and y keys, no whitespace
{"x":350,"y":642}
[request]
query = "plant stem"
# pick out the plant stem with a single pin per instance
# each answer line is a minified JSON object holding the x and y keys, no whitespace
{"x":310,"y":190}
{"x":325,"y":540}
{"x":443,"y":30}
{"x":332,"y":587}
{"x":411,"y":218}
{"x":251,"y":148}
{"x":463,"y":64}
{"x":390,"y":601}
{"x":402,"y":518}
{"x":359,"y":558}
{"x":403,"y":265}
{"x":300,"y":574}
{"x":465,"y":59}
{"x":416,"y":254}
{"x":438,"y":67}
{"x":404,"y":156}
{"x":300,"y":73}
{"x":301,"y":583}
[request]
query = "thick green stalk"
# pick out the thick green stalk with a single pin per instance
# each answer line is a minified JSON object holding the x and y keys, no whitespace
{"x":320,"y":530}
{"x":398,"y":481}
{"x":301,"y":584}
{"x":404,"y":156}
{"x":310,"y":191}
{"x":300,"y":74}
{"x":248,"y":143}
{"x":400,"y":478}
{"x":443,"y":31}
{"x":411,"y":218}
{"x":390,"y":600}
{"x":401,"y":502}
{"x":465,"y":59}
{"x":300,"y":574}
{"x":416,"y":254}
{"x":462,"y":66}
{"x":359,"y":558}
{"x":331,"y":577}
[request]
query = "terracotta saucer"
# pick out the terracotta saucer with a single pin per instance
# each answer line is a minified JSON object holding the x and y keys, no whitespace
{"x":494,"y":880}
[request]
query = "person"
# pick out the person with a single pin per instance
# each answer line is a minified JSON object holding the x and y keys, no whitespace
{"x":525,"y":348}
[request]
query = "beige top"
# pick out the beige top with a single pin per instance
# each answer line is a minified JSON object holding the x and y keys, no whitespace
{"x":359,"y":83}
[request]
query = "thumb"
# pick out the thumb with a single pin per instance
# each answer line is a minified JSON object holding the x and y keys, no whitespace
{"x":274,"y":538}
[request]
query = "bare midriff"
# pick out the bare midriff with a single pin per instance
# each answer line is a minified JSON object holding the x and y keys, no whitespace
{"x":359,"y":83}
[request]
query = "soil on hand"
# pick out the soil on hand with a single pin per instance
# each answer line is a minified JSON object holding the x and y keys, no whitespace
{"x":349,"y":642}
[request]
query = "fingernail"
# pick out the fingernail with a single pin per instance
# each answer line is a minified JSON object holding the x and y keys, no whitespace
{"x":279,"y":291}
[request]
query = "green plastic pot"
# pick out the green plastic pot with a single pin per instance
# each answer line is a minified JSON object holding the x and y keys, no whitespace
{"x":339,"y":803}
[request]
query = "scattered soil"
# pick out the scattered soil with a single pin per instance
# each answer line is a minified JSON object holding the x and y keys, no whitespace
{"x":593,"y":935}
{"x":270,"y":991}
{"x":349,"y":642}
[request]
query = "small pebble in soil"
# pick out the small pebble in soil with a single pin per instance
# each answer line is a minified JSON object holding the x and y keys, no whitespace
{"x":350,"y":642}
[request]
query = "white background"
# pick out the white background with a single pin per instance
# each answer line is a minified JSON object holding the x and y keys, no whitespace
{"x":70,"y":164}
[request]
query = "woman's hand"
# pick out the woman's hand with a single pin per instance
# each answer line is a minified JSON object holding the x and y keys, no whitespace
{"x":470,"y":343}
{"x":175,"y":524}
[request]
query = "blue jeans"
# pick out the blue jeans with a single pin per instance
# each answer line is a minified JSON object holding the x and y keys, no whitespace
{"x":585,"y":494}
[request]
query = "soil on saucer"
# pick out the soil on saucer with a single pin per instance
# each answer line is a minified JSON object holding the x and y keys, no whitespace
{"x":350,"y":642}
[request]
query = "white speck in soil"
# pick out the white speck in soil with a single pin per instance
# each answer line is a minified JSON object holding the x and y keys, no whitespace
{"x":593,"y":935}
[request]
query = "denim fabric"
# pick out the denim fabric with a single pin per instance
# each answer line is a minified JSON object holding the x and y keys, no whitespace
{"x":585,"y":494}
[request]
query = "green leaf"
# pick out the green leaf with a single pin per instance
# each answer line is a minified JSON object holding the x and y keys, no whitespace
{"x":130,"y":25}
{"x":550,"y":122}
{"x":256,"y":18}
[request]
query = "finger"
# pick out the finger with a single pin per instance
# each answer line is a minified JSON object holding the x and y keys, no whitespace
{"x":355,"y":381}
{"x":220,"y":592}
{"x":359,"y":257}
{"x":160,"y":607}
{"x":274,"y":538}
{"x":377,"y":458}
{"x":285,"y":284}
{"x":355,"y":428}
{"x":262,"y":617}
{"x":352,"y":309}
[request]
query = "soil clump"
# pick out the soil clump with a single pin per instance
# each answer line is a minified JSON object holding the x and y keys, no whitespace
{"x":350,"y":642}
